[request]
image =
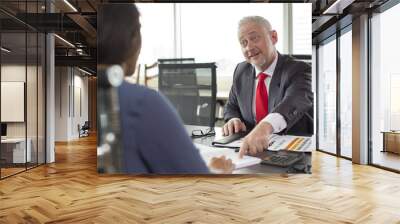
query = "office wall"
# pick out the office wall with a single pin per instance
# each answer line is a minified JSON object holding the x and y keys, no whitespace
{"x":62,"y":80}
{"x":92,"y":98}
{"x":71,"y":102}
{"x":80,"y":104}
{"x":17,"y":73}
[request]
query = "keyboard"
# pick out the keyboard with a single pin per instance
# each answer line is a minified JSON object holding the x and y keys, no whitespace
{"x":230,"y":138}
{"x":282,"y":158}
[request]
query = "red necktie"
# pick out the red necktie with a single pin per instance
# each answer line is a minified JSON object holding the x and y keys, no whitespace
{"x":261,"y":98}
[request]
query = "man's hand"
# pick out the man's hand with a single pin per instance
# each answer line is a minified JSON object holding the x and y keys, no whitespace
{"x":257,"y":140}
{"x":221,"y":165}
{"x":234,"y":125}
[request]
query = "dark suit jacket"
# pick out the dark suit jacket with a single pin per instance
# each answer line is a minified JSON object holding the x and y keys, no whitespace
{"x":153,"y":137}
{"x":289,"y":94}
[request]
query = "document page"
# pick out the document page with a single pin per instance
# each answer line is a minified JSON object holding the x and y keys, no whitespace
{"x":290,"y":143}
{"x":208,"y":152}
{"x":280,"y":142}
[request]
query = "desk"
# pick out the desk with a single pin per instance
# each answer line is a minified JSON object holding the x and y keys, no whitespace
{"x":15,"y":148}
{"x":391,"y":141}
{"x":303,"y":166}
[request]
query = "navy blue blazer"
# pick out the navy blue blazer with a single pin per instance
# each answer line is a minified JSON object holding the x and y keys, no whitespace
{"x":154,"y":139}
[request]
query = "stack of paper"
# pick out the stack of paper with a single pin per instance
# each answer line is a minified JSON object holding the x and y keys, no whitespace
{"x":290,"y":143}
{"x":280,"y":142}
{"x":207,"y":153}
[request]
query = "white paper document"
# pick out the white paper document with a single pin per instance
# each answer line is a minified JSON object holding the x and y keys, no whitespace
{"x":290,"y":143}
{"x":208,"y":152}
{"x":280,"y":142}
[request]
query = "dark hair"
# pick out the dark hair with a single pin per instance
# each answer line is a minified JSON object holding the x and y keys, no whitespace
{"x":117,"y":26}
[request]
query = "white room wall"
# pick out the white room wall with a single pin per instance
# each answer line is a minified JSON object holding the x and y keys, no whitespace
{"x":14,"y":73}
{"x":79,"y":117}
{"x":70,"y":83}
{"x":62,"y":81}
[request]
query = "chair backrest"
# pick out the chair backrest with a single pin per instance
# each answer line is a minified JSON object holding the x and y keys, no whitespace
{"x":163,"y":61}
{"x":86,"y":125}
{"x":192,"y":89}
{"x":175,"y":60}
{"x":138,"y":74}
{"x":146,"y":76}
{"x":303,"y":57}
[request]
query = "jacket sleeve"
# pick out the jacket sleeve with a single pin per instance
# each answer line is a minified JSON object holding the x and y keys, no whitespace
{"x":298,"y":96}
{"x":165,"y":145}
{"x":232,"y":109}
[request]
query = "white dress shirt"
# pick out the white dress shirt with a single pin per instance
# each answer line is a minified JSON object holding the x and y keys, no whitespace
{"x":276,"y":120}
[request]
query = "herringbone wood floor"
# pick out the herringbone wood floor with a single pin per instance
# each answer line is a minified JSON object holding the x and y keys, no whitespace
{"x":70,"y":191}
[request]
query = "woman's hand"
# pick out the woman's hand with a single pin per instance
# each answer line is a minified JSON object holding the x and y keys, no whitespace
{"x":221,"y":165}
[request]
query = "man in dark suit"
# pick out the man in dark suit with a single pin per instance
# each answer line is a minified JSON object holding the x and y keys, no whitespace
{"x":271,"y":93}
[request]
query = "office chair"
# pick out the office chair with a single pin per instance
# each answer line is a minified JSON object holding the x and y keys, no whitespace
{"x":176,"y":60}
{"x":84,"y":130}
{"x":191,"y":88}
{"x":138,"y":74}
{"x":147,"y":77}
{"x":303,"y":57}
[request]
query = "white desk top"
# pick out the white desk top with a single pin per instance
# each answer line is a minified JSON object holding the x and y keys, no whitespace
{"x":13,"y":140}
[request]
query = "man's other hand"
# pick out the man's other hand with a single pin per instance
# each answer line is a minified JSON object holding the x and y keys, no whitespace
{"x":257,"y":140}
{"x":234,"y":125}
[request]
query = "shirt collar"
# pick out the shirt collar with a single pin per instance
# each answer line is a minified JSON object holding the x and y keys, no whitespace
{"x":270,"y":70}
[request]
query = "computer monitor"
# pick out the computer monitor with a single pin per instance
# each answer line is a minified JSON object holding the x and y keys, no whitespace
{"x":3,"y":129}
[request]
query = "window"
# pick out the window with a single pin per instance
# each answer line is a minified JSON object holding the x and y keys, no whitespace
{"x":157,"y":29}
{"x":208,"y":32}
{"x":301,"y":28}
{"x":385,"y":84}
{"x":213,"y":38}
{"x":327,"y":97}
{"x":346,"y":94}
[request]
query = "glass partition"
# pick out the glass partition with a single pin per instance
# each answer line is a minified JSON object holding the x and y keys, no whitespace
{"x":22,"y":88}
{"x":13,"y":109}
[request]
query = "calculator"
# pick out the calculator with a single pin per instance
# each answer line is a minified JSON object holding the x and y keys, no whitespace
{"x":282,"y":158}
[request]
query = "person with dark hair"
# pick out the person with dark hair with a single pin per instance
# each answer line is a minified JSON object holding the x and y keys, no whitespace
{"x":153,"y":137}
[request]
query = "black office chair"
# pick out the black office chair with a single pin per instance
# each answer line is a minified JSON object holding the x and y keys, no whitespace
{"x":191,"y":88}
{"x":303,"y":57}
{"x":176,"y":60}
{"x":84,"y":130}
{"x":147,"y":67}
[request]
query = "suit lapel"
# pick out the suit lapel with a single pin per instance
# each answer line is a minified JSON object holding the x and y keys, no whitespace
{"x":248,"y":85}
{"x":274,"y":86}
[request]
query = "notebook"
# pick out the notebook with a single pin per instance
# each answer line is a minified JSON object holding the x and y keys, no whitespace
{"x":208,"y":152}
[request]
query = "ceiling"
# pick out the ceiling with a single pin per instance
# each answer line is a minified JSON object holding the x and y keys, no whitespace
{"x":331,"y":15}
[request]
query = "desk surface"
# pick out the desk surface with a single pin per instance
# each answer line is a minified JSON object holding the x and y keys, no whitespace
{"x":303,"y":166}
{"x":390,"y":132}
{"x":13,"y":140}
